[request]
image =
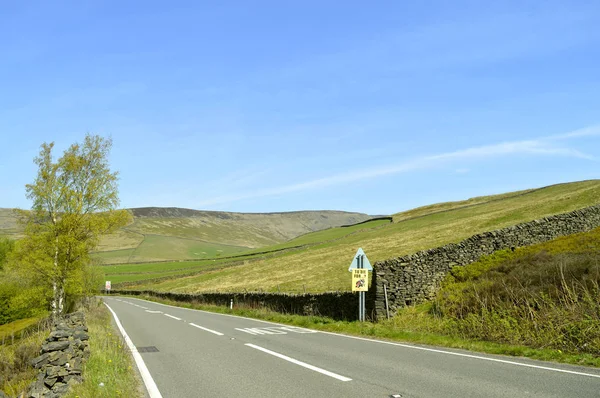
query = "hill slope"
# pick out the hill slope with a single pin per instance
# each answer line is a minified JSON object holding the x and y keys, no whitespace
{"x":178,"y":234}
{"x":323,"y":266}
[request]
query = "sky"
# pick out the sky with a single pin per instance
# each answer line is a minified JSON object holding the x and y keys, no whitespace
{"x":267,"y":106}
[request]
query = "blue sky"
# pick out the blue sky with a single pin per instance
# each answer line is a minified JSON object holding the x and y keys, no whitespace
{"x":264,"y":106}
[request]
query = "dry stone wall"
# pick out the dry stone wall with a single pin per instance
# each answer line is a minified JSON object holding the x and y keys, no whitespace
{"x":336,"y":305}
{"x":415,"y":278}
{"x":61,"y":359}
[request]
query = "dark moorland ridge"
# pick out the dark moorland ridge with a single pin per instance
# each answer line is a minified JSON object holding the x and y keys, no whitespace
{"x":168,"y":212}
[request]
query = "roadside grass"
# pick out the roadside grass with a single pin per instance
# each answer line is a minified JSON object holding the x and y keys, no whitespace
{"x":109,"y":371}
{"x":15,"y":372}
{"x":322,"y":267}
{"x":545,"y":295}
{"x":414,"y":327}
{"x":12,"y":329}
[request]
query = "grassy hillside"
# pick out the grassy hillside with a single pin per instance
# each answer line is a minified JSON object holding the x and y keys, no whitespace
{"x":323,"y":266}
{"x":542,"y":296}
{"x":158,"y":234}
{"x":8,"y":223}
{"x":118,"y":273}
{"x":237,"y":229}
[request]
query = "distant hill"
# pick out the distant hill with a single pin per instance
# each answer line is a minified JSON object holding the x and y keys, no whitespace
{"x":171,"y":233}
{"x":319,"y":261}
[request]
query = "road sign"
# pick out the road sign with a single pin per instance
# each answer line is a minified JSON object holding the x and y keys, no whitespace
{"x":365,"y":261}
{"x":360,"y":280}
{"x":107,"y":286}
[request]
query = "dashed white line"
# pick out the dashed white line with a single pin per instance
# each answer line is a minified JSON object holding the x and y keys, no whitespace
{"x":206,"y":329}
{"x":171,"y":316}
{"x":146,"y":376}
{"x":297,"y":362}
{"x":154,"y":312}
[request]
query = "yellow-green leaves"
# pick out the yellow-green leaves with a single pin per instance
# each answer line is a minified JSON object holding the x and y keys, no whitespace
{"x":74,"y":199}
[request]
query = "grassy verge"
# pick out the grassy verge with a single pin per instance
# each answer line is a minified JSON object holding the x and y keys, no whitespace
{"x":15,"y":372}
{"x":414,"y":326}
{"x":16,"y":329}
{"x":109,"y":371}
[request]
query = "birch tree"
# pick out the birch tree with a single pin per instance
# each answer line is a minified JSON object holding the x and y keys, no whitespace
{"x":74,"y":201}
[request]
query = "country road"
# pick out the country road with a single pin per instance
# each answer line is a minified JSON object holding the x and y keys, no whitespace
{"x":190,"y":353}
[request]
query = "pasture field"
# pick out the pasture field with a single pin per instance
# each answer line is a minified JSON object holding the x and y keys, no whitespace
{"x":118,"y":273}
{"x":323,"y":266}
{"x":170,"y":233}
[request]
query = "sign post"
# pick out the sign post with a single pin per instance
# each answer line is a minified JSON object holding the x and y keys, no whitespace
{"x":360,"y":268}
{"x":107,"y":286}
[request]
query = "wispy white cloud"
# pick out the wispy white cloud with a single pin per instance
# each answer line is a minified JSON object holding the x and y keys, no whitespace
{"x":591,"y":131}
{"x":544,"y":146}
{"x":531,"y":147}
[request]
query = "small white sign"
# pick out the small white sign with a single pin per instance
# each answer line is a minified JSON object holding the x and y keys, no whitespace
{"x":107,"y":286}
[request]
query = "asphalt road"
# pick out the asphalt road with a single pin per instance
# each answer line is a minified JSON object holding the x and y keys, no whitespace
{"x":202,"y":354}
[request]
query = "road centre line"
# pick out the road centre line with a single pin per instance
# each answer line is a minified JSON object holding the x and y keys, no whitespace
{"x":153,"y":391}
{"x":171,"y":316}
{"x":399,"y":344}
{"x":206,"y":329}
{"x":154,"y":312}
{"x":297,"y":362}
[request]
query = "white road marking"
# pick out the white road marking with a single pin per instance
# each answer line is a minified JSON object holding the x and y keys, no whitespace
{"x":171,"y":316}
{"x":206,"y":329}
{"x":298,"y":330}
{"x":275,"y":330}
{"x":399,"y":344}
{"x":458,"y":354}
{"x":297,"y":362}
{"x":255,"y":331}
{"x":154,"y":312}
{"x":146,"y":376}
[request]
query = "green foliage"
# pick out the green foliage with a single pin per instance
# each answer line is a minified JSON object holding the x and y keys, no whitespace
{"x":73,"y":199}
{"x":22,"y":340}
{"x":6,"y":247}
{"x":545,"y":295}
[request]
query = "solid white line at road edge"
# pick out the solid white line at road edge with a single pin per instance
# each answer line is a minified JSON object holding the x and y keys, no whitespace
{"x":208,"y":330}
{"x":148,"y":380}
{"x":414,"y":347}
{"x":297,"y":362}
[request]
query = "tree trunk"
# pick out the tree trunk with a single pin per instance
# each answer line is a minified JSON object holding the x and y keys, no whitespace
{"x":57,"y":289}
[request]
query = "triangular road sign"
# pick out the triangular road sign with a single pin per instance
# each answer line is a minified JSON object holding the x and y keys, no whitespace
{"x":365,"y":261}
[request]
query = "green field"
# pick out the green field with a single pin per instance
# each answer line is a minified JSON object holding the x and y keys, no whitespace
{"x":321,"y":264}
{"x":118,"y":273}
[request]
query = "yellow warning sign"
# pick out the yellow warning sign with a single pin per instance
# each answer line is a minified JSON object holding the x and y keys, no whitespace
{"x":360,"y":280}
